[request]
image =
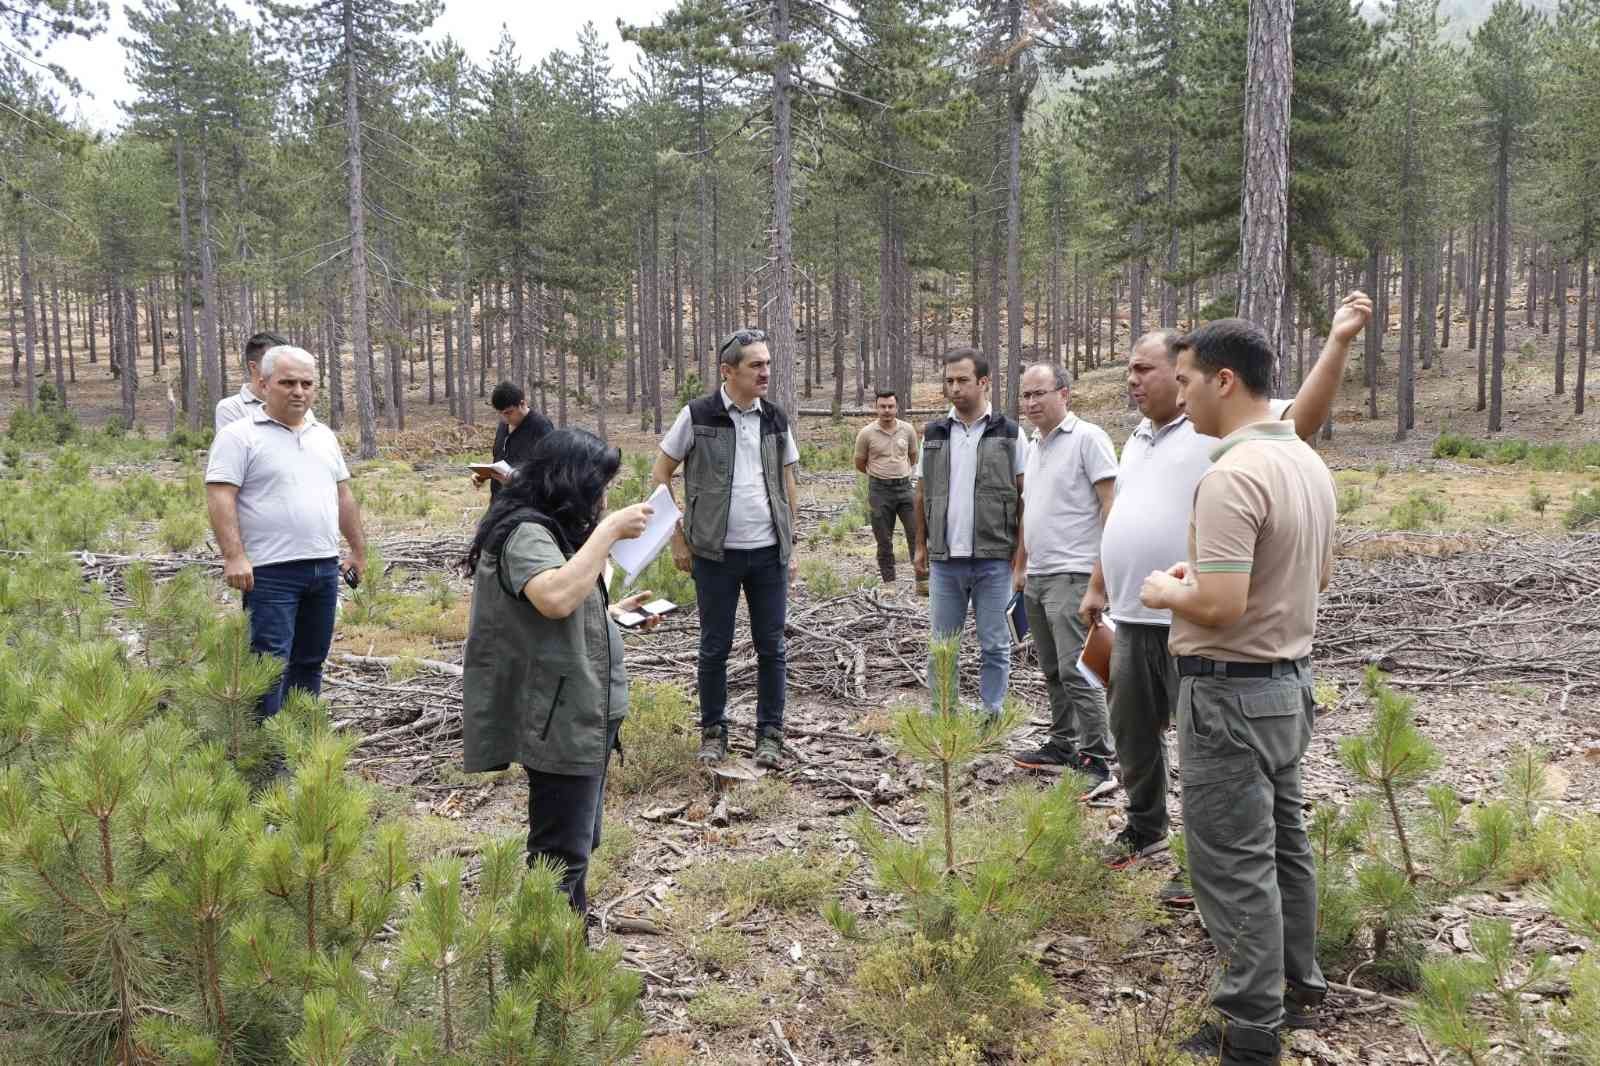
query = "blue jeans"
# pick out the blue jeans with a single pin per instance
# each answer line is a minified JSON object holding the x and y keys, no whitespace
{"x":291,"y":611}
{"x":986,"y":584}
{"x":765,"y":581}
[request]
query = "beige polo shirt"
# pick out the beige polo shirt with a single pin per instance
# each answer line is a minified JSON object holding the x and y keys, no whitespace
{"x":1265,"y":508}
{"x":888,"y":455}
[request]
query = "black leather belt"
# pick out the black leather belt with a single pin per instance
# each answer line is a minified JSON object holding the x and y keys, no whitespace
{"x":892,"y":480}
{"x":1199,"y":666}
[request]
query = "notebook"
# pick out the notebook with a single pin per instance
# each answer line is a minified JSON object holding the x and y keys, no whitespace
{"x":1094,"y":662}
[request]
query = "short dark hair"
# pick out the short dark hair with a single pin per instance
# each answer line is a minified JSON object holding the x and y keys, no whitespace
{"x":257,"y":345}
{"x":1169,"y":338}
{"x":980,"y":365}
{"x":505,"y":395}
{"x":888,"y":394}
{"x":1236,"y":344}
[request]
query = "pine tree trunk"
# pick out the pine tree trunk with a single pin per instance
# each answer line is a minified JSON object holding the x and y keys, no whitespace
{"x":1502,"y":197}
{"x":1561,"y":326}
{"x":55,"y":329}
{"x":130,"y":356}
{"x":1582,"y":335}
{"x":211,"y":349}
{"x":977,"y":292}
{"x":1449,"y":291}
{"x":360,"y":340}
{"x":782,"y":346}
{"x":11,"y":311}
{"x":1375,"y":328}
{"x":1263,"y":223}
{"x":29,"y":329}
{"x":1016,"y":113}
{"x":1491,"y":245}
{"x":1169,"y":299}
{"x":836,"y":312}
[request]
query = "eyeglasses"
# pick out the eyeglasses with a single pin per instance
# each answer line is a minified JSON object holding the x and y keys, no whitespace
{"x":743,"y":338}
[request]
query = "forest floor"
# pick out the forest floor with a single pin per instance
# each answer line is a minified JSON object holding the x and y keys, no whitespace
{"x":715,"y":897}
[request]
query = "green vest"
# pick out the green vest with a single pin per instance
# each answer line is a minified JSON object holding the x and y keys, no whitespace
{"x":708,"y":476}
{"x":532,"y":693}
{"x":995,"y":500}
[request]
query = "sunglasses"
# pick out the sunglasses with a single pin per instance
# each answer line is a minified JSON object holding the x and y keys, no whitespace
{"x":742,"y":338}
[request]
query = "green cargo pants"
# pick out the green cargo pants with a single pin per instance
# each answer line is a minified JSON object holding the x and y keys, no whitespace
{"x":1240,"y":742}
{"x":1144,"y":691}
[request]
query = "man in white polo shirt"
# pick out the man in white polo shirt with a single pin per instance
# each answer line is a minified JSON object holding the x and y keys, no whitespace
{"x":1160,"y":469}
{"x":278,"y":493}
{"x":1067,"y":491}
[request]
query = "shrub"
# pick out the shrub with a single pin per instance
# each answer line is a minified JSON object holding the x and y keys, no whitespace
{"x":1538,"y":500}
{"x":51,"y":422}
{"x":1419,"y":509}
{"x":660,"y":736}
{"x":1585,"y":510}
{"x":181,"y":531}
{"x":787,"y":882}
{"x":1456,"y":446}
{"x":1351,"y":499}
{"x":821,"y":579}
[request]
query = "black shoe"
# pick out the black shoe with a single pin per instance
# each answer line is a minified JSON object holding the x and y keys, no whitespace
{"x":1243,"y":1046}
{"x":713,"y":744}
{"x":1176,"y":893}
{"x":1098,"y":771}
{"x":1129,"y":847}
{"x":1302,"y":1008}
{"x":1047,"y":756}
{"x":1205,"y":1043}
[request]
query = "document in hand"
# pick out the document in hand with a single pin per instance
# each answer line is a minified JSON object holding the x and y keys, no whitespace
{"x":1094,"y":662}
{"x":636,"y":554}
{"x":1017,"y":618}
{"x":500,"y":471}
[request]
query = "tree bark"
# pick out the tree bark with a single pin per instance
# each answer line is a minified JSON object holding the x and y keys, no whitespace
{"x":1502,"y":210}
{"x":1019,"y":91}
{"x":1561,"y":326}
{"x":782,"y":346}
{"x":1263,"y":222}
{"x":29,"y":327}
{"x":360,"y":340}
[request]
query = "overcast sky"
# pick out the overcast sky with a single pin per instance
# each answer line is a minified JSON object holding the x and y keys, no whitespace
{"x":538,"y":27}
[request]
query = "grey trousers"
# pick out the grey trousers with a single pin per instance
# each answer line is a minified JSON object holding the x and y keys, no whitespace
{"x":1240,"y":742}
{"x":1077,"y":708}
{"x":1144,"y":695}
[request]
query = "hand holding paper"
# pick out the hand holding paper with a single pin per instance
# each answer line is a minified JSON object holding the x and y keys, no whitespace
{"x":639,"y":552}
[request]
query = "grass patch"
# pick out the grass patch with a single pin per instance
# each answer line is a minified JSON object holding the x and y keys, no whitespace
{"x":1549,"y":457}
{"x":763,"y":798}
{"x":1420,"y":509}
{"x":659,"y":737}
{"x":617,"y":839}
{"x":821,"y":579}
{"x":1351,"y":498}
{"x":720,"y":950}
{"x":787,"y":882}
{"x":1585,"y":510}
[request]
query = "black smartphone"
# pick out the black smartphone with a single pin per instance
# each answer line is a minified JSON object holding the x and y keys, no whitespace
{"x":352,"y":577}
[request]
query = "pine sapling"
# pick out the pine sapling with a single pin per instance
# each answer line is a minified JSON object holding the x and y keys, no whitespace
{"x":1391,"y":756}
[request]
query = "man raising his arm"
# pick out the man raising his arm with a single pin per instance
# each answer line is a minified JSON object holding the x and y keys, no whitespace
{"x":1244,"y":610}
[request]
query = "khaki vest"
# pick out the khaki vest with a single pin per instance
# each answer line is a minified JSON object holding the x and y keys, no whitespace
{"x":708,"y":476}
{"x":995,"y":498}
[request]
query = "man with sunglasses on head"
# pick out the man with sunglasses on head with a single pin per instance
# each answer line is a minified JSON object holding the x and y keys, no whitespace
{"x":738,"y":455}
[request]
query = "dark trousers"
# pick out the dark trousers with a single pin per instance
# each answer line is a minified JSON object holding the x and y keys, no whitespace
{"x":564,"y":812}
{"x":891,"y":499}
{"x":291,"y":609}
{"x":1144,"y":697}
{"x":765,"y":581}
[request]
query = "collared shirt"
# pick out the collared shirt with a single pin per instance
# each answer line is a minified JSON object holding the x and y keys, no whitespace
{"x":1266,"y":509}
{"x":889,"y":455}
{"x":964,"y":477}
{"x":1061,"y":517}
{"x":749,"y":511}
{"x":233,"y":408}
{"x":288,"y":481}
{"x":1149,"y":523}
{"x":516,"y":445}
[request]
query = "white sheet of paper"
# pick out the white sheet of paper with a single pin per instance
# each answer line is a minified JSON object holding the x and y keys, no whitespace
{"x":636,"y":554}
{"x":502,"y":468}
{"x":1083,"y":667}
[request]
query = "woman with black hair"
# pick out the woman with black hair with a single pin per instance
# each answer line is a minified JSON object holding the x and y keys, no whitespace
{"x":544,"y":684}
